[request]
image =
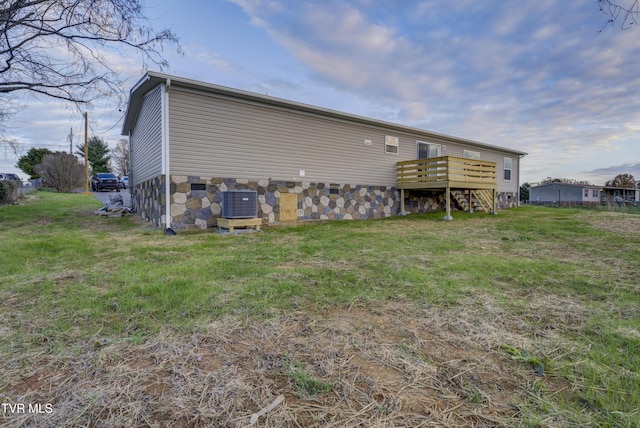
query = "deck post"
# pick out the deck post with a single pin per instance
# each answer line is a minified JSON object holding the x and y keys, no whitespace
{"x":494,"y":204}
{"x":448,"y":217}
{"x":402,"y":211}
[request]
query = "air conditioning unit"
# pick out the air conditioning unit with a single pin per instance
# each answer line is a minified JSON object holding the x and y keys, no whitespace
{"x":239,"y":204}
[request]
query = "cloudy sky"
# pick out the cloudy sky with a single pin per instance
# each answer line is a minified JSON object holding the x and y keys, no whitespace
{"x":533,"y":75}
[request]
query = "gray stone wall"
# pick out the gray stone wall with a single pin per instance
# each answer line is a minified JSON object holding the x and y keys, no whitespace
{"x":196,"y":202}
{"x":416,"y":202}
{"x":507,"y":199}
{"x":147,"y":200}
{"x":199,"y":208}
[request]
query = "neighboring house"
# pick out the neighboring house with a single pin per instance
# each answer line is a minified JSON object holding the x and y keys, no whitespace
{"x":581,"y":194}
{"x":619,"y":195}
{"x":190,"y":141}
{"x":560,"y":193}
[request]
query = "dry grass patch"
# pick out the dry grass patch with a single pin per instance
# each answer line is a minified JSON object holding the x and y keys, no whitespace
{"x":392,"y":364}
{"x":615,"y":222}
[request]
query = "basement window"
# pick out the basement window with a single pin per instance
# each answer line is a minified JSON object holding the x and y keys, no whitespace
{"x":391,"y":144}
{"x":508,"y":166}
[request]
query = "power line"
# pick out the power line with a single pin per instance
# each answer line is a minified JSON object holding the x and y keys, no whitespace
{"x":108,"y":130}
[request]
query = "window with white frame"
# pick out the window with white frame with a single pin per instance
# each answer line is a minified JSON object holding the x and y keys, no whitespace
{"x":428,"y":150}
{"x":508,"y":167}
{"x":391,"y":144}
{"x":471,"y":154}
{"x":586,"y":193}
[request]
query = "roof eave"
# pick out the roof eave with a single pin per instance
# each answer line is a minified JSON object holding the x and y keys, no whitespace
{"x":151,"y":79}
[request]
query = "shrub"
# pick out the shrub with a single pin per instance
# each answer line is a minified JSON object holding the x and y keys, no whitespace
{"x":61,"y":171}
{"x":8,"y":194}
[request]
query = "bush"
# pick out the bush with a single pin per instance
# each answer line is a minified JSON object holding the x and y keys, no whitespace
{"x":61,"y":171}
{"x":8,"y":193}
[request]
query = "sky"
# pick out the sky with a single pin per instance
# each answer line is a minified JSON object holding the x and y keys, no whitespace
{"x":532,"y":75}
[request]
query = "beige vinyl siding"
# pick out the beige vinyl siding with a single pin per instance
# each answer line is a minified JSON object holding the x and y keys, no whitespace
{"x":220,"y":137}
{"x":210,"y":136}
{"x":146,"y":139}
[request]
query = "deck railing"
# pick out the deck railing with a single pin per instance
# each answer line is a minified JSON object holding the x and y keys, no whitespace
{"x":446,"y":171}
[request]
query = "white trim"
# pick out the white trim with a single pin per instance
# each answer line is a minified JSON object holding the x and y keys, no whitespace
{"x":165,"y":151}
{"x":129,"y":166}
{"x":140,"y":83}
{"x":391,"y":141}
{"x":504,"y":168}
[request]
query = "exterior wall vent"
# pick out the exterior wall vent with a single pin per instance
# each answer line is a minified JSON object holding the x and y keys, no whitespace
{"x":239,"y":204}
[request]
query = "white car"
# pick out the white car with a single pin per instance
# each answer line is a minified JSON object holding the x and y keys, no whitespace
{"x":124,"y":182}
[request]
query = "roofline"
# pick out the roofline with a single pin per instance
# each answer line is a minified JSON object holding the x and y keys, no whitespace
{"x":567,"y":184}
{"x":619,"y":188}
{"x":153,"y":78}
{"x":592,"y":186}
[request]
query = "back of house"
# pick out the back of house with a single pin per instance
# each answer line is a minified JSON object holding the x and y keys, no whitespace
{"x":191,"y":141}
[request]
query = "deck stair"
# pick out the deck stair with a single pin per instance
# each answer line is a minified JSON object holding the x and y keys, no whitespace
{"x":460,"y":199}
{"x":482,"y":200}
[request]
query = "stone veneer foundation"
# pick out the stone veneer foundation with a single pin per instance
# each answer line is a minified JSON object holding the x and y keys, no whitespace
{"x":147,"y":200}
{"x":196,"y":202}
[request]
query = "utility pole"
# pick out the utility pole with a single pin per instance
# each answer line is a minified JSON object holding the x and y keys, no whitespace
{"x":70,"y":138}
{"x":86,"y":154}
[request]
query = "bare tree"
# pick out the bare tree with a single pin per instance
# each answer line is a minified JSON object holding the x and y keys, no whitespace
{"x":120,"y":157}
{"x":626,"y":14}
{"x":62,"y":171}
{"x":5,"y":142}
{"x":59,"y":48}
{"x":9,"y":143}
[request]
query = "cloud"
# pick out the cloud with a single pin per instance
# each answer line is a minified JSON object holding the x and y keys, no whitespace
{"x":612,"y":171}
{"x":205,"y":56}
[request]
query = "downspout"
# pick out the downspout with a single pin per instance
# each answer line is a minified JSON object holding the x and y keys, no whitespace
{"x":519,"y":158}
{"x":165,"y":149}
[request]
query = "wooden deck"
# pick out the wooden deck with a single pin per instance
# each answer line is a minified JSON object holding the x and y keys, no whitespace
{"x":473,"y":181}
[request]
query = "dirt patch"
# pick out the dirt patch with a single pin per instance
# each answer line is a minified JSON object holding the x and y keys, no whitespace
{"x":392,"y":364}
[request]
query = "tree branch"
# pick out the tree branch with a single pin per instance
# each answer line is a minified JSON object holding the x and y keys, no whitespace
{"x":614,"y":11}
{"x":57,"y":47}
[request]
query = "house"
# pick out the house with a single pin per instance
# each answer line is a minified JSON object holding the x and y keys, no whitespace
{"x":617,"y":195}
{"x":565,"y":193}
{"x":581,"y":194}
{"x":190,"y":141}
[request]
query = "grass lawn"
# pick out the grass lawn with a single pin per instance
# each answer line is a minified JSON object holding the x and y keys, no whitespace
{"x":528,"y":319}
